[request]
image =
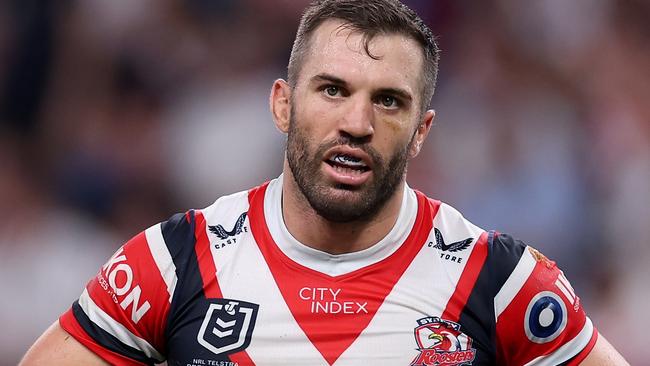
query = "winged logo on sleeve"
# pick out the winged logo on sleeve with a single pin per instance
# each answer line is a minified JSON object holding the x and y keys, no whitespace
{"x":222,"y":233}
{"x":453,"y":247}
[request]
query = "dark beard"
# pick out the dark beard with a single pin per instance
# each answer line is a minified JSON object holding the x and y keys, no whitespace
{"x":370,"y":198}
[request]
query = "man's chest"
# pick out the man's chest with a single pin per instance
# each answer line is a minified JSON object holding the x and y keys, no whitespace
{"x":276,"y":312}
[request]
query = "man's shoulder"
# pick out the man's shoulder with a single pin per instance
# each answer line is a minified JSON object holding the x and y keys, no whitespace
{"x":230,"y":205}
{"x":447,"y":218}
{"x":453,"y":231}
{"x":449,"y":223}
{"x":227,"y":202}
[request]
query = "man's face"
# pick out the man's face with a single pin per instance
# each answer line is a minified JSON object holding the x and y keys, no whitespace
{"x":354,"y":120}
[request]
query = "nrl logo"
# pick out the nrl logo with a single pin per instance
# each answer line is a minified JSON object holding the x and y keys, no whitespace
{"x":441,"y":343}
{"x":227,"y":326}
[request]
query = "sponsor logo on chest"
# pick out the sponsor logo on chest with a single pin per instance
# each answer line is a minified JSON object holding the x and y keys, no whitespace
{"x":325,"y":300}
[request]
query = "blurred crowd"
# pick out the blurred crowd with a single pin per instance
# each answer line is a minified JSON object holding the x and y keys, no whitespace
{"x":115,"y":114}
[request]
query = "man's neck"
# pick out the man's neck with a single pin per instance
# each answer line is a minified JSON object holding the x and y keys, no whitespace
{"x":314,"y":231}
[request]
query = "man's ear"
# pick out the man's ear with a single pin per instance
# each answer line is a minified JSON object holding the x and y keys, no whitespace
{"x":421,"y":133}
{"x":280,"y":103}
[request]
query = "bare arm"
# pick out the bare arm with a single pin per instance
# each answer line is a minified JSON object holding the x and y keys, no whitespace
{"x":57,"y":347}
{"x":604,"y":354}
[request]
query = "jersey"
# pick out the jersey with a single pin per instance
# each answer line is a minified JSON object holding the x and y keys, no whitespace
{"x":229,"y":285}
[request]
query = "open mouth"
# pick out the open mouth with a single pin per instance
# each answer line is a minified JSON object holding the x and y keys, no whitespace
{"x":347,"y":162}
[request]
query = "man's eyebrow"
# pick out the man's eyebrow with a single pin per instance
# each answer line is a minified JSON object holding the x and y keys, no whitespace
{"x":402,"y":93}
{"x":329,"y":78}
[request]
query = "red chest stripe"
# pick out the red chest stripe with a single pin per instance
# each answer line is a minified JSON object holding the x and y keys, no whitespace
{"x":206,"y":262}
{"x":334,"y":310}
{"x":467,"y":280}
{"x":209,"y":275}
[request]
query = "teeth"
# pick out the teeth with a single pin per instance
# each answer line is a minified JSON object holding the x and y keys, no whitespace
{"x":348,"y":160}
{"x":348,"y":170}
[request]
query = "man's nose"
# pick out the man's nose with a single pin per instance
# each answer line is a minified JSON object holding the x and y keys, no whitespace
{"x":358,"y":120}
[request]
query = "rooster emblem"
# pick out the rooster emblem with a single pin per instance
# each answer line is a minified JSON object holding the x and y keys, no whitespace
{"x":444,"y":340}
{"x":442,"y":343}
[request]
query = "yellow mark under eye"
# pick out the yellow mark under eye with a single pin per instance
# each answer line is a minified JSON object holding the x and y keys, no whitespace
{"x":395,"y":124}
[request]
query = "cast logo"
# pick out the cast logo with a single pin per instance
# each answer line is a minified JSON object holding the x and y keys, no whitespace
{"x":222,"y":233}
{"x":229,"y":237}
{"x":441,"y":343}
{"x":445,"y":249}
{"x":453,"y":247}
{"x":227,"y":326}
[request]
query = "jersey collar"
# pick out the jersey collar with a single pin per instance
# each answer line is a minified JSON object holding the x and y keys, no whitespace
{"x":336,"y":264}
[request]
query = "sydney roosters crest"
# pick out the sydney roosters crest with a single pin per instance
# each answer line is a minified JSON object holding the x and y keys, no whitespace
{"x":441,"y":343}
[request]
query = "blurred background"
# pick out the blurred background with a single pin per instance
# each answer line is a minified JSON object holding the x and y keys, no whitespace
{"x":115,"y":114}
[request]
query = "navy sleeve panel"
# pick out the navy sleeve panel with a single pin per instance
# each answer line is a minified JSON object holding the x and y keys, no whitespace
{"x":189,"y":305}
{"x":505,"y":252}
{"x":179,"y":235}
{"x":107,"y":340}
{"x":478,"y":316}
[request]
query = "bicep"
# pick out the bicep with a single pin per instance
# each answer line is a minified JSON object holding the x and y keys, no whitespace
{"x":58,"y":347}
{"x":604,"y":354}
{"x":539,"y":318}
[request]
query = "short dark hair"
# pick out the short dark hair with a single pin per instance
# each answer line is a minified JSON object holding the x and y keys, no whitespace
{"x":371,"y":17}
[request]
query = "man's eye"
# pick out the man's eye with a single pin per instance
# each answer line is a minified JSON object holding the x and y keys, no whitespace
{"x":387,"y":101}
{"x":332,"y":90}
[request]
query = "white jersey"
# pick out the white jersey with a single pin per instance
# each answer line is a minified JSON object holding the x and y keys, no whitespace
{"x":229,"y":285}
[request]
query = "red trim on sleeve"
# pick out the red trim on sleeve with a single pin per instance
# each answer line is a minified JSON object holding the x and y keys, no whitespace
{"x":69,"y":323}
{"x":585,"y":351}
{"x":467,"y":280}
{"x":206,"y":262}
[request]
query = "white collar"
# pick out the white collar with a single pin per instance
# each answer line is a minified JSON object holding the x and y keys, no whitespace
{"x":336,"y":264}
